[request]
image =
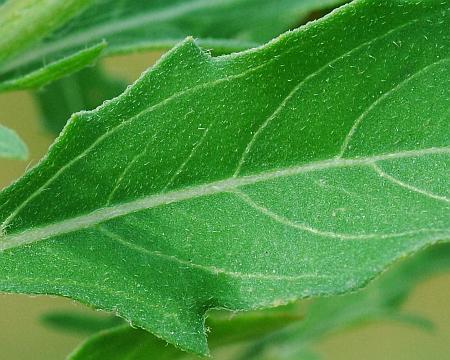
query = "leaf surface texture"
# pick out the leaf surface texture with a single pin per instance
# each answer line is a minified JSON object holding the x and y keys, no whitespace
{"x":297,"y":169}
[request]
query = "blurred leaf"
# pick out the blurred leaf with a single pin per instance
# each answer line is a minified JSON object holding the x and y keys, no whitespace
{"x":125,"y":342}
{"x":53,"y":71}
{"x":84,"y":90}
{"x":244,"y":181}
{"x":228,"y":329}
{"x":79,"y":323}
{"x":11,"y":146}
{"x":24,"y":22}
{"x":131,"y":25}
{"x":381,"y":300}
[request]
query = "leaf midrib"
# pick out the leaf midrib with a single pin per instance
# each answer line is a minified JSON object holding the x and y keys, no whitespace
{"x":223,"y":186}
{"x":29,"y":236}
{"x":206,"y":85}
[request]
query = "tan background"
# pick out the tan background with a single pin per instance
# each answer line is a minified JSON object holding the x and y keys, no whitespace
{"x":22,"y":336}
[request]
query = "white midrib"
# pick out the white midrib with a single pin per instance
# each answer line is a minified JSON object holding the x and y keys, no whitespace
{"x":201,"y":86}
{"x":222,"y":186}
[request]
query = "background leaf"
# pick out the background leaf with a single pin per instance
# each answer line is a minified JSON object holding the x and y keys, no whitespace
{"x":79,"y":323}
{"x":257,"y":178}
{"x":53,"y":71}
{"x":381,"y":300}
{"x":86,"y":89}
{"x":11,"y":146}
{"x":130,"y":25}
{"x":138,"y":344}
{"x":25,"y":22}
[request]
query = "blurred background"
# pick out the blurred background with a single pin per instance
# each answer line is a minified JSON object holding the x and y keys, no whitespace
{"x":23,"y":335}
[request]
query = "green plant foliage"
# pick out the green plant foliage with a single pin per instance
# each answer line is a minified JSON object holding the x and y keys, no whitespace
{"x":11,"y":146}
{"x":53,"y":71}
{"x":125,"y":342}
{"x":79,"y":323}
{"x":245,"y":181}
{"x":131,"y":25}
{"x":24,"y":22}
{"x":85,"y":89}
{"x":380,"y":300}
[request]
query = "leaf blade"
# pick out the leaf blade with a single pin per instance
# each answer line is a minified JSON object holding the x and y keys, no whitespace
{"x":171,"y":161}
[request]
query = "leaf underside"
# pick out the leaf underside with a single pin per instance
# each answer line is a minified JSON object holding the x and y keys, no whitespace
{"x":124,"y":342}
{"x":301,"y":168}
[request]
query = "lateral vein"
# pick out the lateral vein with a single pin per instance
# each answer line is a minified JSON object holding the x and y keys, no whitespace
{"x":410,"y":187}
{"x":295,"y":89}
{"x":205,"y":268}
{"x":328,"y":234}
{"x":189,"y":90}
{"x":382,"y":98}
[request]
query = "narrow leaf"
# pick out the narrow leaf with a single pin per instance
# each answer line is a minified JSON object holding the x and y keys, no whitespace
{"x":24,"y":24}
{"x":79,"y":323}
{"x":11,"y":146}
{"x":55,"y":70}
{"x":248,"y":180}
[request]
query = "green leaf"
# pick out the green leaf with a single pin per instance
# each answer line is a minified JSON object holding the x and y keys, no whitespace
{"x":124,"y":342}
{"x":245,"y":181}
{"x":293,"y":340}
{"x":130,"y":25}
{"x":55,"y":70}
{"x":85,"y":89}
{"x":381,"y":300}
{"x":11,"y":146}
{"x":79,"y":323}
{"x":25,"y":23}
